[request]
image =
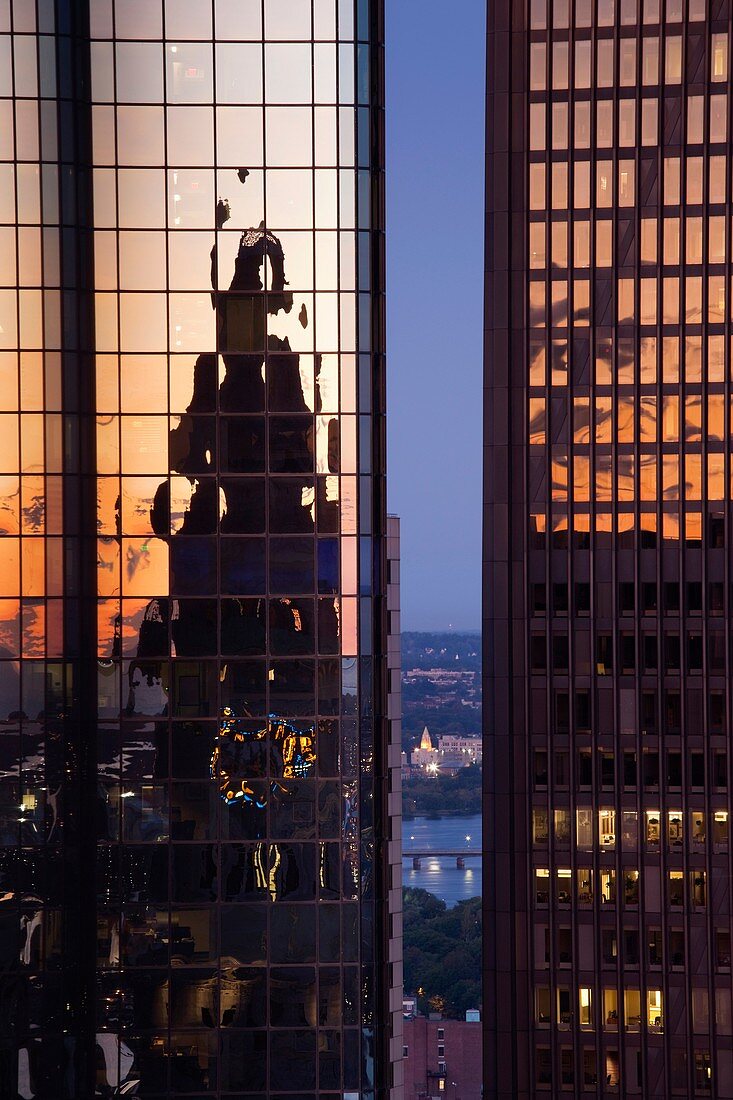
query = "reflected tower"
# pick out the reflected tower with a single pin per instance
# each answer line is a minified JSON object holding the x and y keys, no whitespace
{"x":607,"y":550}
{"x":194,"y":879}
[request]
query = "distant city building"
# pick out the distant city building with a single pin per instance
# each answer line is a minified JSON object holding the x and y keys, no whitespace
{"x":442,"y":1058}
{"x":451,"y":754}
{"x":452,"y":685}
{"x":441,"y":675}
{"x":459,"y":751}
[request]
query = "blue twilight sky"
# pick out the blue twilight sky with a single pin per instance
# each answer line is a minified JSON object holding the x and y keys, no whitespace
{"x":435,"y":179}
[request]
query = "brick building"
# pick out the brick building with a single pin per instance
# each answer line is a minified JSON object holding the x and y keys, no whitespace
{"x":442,"y":1058}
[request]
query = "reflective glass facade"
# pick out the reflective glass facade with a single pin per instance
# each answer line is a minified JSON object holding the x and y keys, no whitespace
{"x":607,"y":549}
{"x":195,"y":887}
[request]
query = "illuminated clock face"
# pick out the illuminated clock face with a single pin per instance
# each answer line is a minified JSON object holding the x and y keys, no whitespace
{"x":239,"y":758}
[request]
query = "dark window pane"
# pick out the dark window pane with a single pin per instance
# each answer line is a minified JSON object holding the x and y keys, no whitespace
{"x":291,"y":505}
{"x":328,"y":627}
{"x":293,"y":933}
{"x":291,"y":566}
{"x":292,"y":1059}
{"x":242,"y":440}
{"x":291,"y":444}
{"x":292,"y":996}
{"x":194,"y":873}
{"x":242,"y":328}
{"x":242,"y":627}
{"x":194,"y":689}
{"x":192,"y":744}
{"x":328,"y":565}
{"x":243,"y":389}
{"x":192,"y":445}
{"x":244,"y":872}
{"x":292,"y":687}
{"x":202,"y":514}
{"x":284,"y":383}
{"x":242,"y":566}
{"x":193,"y":566}
{"x":327,"y":747}
{"x":244,"y":933}
{"x":293,"y":811}
{"x":194,"y":631}
{"x":292,"y":626}
{"x":244,"y":1061}
{"x":243,"y":689}
{"x":244,"y":510}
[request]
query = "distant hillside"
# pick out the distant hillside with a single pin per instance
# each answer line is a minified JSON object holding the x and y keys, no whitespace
{"x":422,"y":650}
{"x":441,"y":684}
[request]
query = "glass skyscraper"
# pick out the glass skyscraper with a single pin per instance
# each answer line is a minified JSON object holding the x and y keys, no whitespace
{"x":195,"y":887}
{"x":608,"y":549}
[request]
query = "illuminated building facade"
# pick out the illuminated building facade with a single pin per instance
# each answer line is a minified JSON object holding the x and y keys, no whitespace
{"x":608,"y":549}
{"x":194,"y":882}
{"x":425,"y":757}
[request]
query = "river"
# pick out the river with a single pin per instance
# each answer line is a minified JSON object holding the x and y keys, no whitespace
{"x":440,"y":875}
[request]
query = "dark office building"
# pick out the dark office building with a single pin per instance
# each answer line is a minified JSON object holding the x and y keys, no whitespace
{"x":608,"y":549}
{"x":195,"y":887}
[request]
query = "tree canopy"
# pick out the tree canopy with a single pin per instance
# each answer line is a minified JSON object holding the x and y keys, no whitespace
{"x":442,"y":951}
{"x":441,"y":794}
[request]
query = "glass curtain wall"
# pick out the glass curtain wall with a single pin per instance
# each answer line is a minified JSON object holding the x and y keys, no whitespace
{"x":231,"y":861}
{"x":234,"y":601}
{"x":44,"y":850}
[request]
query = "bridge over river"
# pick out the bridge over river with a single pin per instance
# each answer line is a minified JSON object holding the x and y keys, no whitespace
{"x":459,"y":854}
{"x":440,"y":875}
